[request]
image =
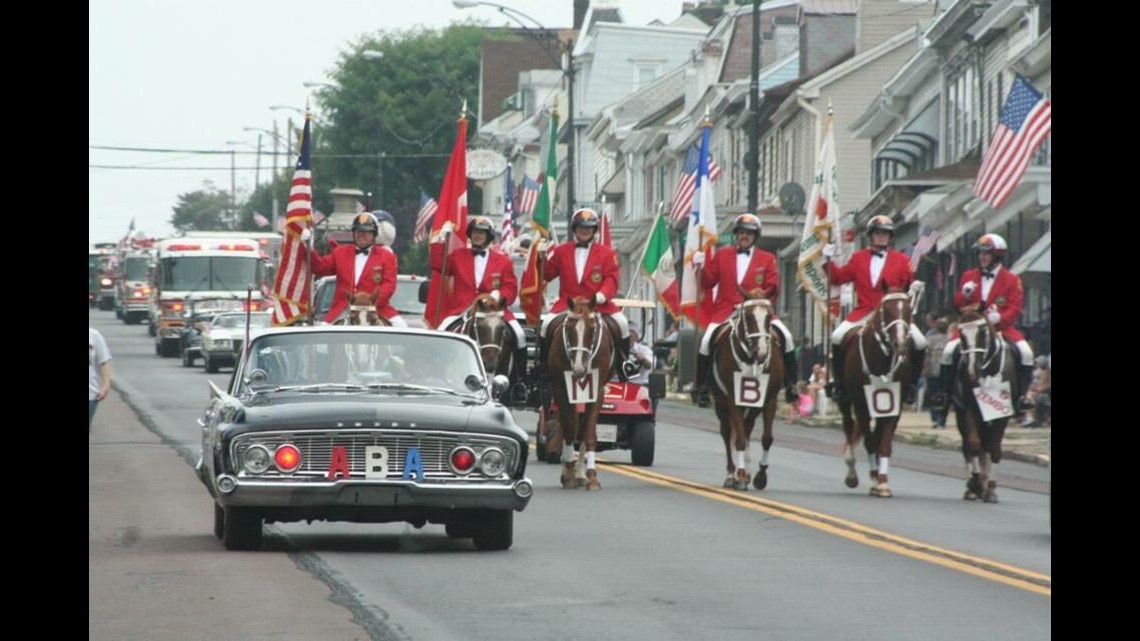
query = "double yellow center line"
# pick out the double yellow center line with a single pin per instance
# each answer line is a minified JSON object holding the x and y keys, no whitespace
{"x":978,"y":566}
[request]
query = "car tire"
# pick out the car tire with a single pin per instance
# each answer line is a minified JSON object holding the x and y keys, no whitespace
{"x":494,"y":530}
{"x":211,"y":368}
{"x":219,"y":522}
{"x":459,"y":529}
{"x":119,"y":314}
{"x":158,"y":348}
{"x":187,"y":359}
{"x":642,"y":443}
{"x":241,"y":529}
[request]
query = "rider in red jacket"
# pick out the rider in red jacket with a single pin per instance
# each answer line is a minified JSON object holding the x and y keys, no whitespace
{"x":873,"y":270}
{"x":733,"y":271}
{"x":998,"y":292}
{"x":362,"y":266}
{"x":587,"y":269}
{"x":476,"y":270}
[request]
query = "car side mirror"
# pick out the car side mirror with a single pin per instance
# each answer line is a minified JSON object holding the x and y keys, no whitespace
{"x":499,"y":384}
{"x":424,"y":288}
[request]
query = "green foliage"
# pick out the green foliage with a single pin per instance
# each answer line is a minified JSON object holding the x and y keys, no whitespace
{"x":207,"y":209}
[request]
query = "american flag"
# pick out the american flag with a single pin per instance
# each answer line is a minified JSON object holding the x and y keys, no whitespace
{"x":359,"y":207}
{"x":528,"y":194}
{"x":687,"y":185}
{"x":424,"y":218}
{"x":508,"y":232}
{"x":924,"y":244}
{"x":261,"y":221}
{"x":1026,"y":118}
{"x":292,"y":288}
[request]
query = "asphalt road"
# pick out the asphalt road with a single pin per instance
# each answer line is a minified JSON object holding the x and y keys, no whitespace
{"x":664,"y":552}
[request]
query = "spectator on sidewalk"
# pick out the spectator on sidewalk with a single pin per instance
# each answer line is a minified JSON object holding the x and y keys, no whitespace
{"x":935,"y":343}
{"x":816,"y":386}
{"x":1040,"y":392}
{"x":98,"y":372}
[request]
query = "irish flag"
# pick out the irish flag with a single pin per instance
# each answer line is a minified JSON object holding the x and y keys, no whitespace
{"x":657,"y":263}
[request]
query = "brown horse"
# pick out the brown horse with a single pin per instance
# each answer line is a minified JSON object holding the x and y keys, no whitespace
{"x":361,"y":310}
{"x":879,"y":353}
{"x":581,"y":350}
{"x":983,"y":355}
{"x":485,"y":324}
{"x":745,"y":351}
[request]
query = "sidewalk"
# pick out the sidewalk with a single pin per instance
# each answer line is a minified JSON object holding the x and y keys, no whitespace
{"x":155,"y":570}
{"x":1030,"y":445}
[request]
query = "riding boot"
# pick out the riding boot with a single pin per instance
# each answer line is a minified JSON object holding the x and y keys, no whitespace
{"x":791,"y":375}
{"x":621,"y":355}
{"x":1024,"y":379}
{"x":910,"y":390}
{"x":834,"y":388}
{"x":700,"y":393}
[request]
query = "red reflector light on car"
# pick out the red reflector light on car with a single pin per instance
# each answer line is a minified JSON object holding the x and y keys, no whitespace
{"x":255,"y":306}
{"x":462,"y":459}
{"x":287,"y":458}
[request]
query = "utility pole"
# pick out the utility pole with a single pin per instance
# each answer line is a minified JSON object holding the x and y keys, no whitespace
{"x":257,"y":167}
{"x":571,"y":174}
{"x":233,"y":189}
{"x":753,"y":155}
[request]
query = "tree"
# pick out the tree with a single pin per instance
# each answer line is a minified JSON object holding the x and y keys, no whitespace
{"x":207,"y":209}
{"x":405,"y":105}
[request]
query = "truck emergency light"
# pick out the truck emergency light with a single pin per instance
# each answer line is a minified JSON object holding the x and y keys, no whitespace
{"x":237,"y":248}
{"x":183,"y":248}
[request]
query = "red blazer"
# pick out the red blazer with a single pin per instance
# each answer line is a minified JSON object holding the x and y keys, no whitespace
{"x":762,"y":273}
{"x":500,"y":275}
{"x":896,"y":274}
{"x":1005,"y":294}
{"x":600,"y":275}
{"x":379,"y":274}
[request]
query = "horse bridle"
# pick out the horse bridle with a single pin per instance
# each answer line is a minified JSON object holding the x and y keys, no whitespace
{"x":882,"y":337}
{"x":991,"y":349}
{"x":739,"y":335}
{"x":469,"y":329}
{"x":592,"y":351}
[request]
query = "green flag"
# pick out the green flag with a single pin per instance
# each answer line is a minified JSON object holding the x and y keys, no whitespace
{"x":545,"y":205}
{"x":657,"y":263}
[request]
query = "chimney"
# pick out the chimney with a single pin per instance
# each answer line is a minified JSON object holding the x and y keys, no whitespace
{"x":580,"y":7}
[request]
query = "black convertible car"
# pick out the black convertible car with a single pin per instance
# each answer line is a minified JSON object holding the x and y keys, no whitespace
{"x":363,"y":424}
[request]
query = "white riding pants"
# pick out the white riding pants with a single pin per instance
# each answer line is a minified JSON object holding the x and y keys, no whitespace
{"x":706,"y":340}
{"x":520,"y":337}
{"x":622,"y":322}
{"x":916,"y":334}
{"x":1023,"y":351}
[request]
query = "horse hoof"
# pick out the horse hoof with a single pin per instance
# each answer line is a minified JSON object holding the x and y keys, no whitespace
{"x":970,"y":496}
{"x":729,"y":482}
{"x":593,"y":485}
{"x":852,"y":481}
{"x":741,"y":485}
{"x":991,"y":497}
{"x":881,"y":492}
{"x":974,"y":485}
{"x":760,"y":481}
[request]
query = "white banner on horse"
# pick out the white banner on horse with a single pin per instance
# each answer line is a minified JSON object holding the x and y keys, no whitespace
{"x":994,"y":399}
{"x":582,"y":390}
{"x":882,"y":399}
{"x":749,"y":391}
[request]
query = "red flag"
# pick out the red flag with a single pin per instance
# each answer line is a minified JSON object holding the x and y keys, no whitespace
{"x":531,"y":289}
{"x":604,"y":231}
{"x":450,"y":218}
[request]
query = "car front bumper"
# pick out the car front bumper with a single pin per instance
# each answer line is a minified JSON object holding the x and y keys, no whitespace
{"x":374,"y":494}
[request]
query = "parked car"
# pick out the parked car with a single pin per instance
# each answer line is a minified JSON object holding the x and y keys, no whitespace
{"x":223,"y":338}
{"x":298,"y":436}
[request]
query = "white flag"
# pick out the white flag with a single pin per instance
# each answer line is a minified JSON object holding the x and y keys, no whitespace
{"x":821,"y":227}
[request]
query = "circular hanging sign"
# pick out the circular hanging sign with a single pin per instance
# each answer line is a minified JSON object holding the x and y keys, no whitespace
{"x":484,"y":164}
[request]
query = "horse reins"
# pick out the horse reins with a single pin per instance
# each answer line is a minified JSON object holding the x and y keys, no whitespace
{"x":998,"y":350}
{"x":470,"y":330}
{"x":566,"y":341}
{"x":881,"y":335}
{"x":738,"y":329}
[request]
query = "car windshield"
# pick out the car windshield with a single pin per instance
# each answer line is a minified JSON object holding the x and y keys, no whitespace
{"x":236,"y":321}
{"x":381,"y":359}
{"x":406,"y":300}
{"x":135,"y":268}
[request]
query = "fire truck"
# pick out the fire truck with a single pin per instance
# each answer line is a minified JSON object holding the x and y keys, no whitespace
{"x":219,"y":269}
{"x":132,"y":279}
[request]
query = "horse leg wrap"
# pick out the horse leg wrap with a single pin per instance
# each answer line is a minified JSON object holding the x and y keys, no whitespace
{"x":590,"y":461}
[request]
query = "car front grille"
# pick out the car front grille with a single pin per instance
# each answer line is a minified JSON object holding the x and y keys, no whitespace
{"x":316,"y":447}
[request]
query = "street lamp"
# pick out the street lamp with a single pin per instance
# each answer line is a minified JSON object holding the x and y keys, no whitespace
{"x":310,"y":84}
{"x":567,"y":70}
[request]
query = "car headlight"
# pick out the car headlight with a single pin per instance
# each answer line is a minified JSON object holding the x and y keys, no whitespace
{"x":492,"y":462}
{"x":220,"y":343}
{"x":256,"y":459}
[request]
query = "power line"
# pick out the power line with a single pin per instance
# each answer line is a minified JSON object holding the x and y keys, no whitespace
{"x":252,"y":153}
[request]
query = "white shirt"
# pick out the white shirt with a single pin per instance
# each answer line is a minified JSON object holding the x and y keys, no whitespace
{"x":361,"y":260}
{"x":742,"y":262}
{"x":988,"y":283}
{"x":641,"y":350}
{"x":877,"y":263}
{"x":480,"y":268}
{"x":97,"y":354}
{"x":580,"y":256}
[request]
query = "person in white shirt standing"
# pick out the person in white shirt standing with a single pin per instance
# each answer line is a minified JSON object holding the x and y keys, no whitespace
{"x":98,"y":372}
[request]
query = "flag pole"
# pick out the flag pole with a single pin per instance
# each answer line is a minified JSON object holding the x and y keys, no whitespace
{"x":644,"y":250}
{"x":827,"y":279}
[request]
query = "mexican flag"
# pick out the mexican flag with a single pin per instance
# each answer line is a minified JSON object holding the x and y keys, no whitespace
{"x":657,"y":263}
{"x":533,"y":286}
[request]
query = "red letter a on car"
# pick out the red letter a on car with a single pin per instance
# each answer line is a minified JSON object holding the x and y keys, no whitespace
{"x":339,"y":463}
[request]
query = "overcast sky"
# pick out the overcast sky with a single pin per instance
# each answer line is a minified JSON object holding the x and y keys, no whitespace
{"x":190,"y":74}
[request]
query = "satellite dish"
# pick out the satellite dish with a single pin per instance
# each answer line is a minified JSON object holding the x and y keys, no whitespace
{"x":792,"y":199}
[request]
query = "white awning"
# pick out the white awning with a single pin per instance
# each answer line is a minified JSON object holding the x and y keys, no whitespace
{"x":1039,"y":258}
